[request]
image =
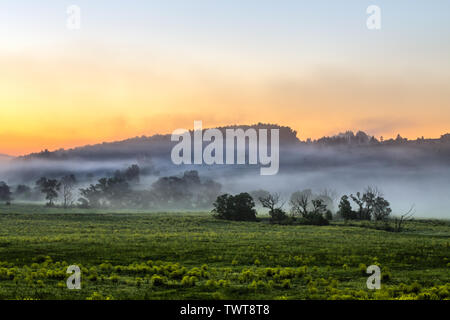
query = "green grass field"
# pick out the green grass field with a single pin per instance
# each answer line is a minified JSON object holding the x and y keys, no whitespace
{"x":140,"y":255}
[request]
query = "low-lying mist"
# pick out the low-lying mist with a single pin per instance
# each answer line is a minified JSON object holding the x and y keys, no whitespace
{"x":406,"y":177}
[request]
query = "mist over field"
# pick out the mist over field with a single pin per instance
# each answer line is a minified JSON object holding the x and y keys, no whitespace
{"x":408,"y":173}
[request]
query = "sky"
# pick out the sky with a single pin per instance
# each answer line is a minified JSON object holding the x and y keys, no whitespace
{"x":144,"y":67}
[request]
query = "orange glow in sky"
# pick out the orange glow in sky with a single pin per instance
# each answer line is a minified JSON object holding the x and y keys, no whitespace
{"x":60,"y":89}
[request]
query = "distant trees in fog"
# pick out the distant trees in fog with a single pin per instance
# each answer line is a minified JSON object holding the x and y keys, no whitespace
{"x":5,"y":192}
{"x":190,"y":192}
{"x":121,"y":190}
{"x":174,"y":192}
{"x":106,"y":192}
{"x":50,"y":188}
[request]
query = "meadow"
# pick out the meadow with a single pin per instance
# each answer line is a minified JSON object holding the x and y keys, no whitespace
{"x":143,"y":255}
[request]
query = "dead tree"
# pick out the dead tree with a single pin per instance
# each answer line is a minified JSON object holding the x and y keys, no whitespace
{"x":300,"y":205}
{"x":398,"y":222}
{"x":68,"y":184}
{"x":270,"y":201}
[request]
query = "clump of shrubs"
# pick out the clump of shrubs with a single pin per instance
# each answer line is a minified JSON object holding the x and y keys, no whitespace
{"x":158,"y":280}
{"x":240,"y":207}
{"x":189,"y":281}
{"x":277,"y":215}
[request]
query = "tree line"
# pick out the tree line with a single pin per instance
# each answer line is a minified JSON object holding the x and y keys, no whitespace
{"x":189,"y":191}
{"x":304,"y":207}
{"x":121,"y":190}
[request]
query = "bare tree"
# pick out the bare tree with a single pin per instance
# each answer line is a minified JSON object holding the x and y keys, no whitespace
{"x":270,"y":201}
{"x":408,"y":216}
{"x":299,"y":204}
{"x":68,"y":184}
{"x":274,"y":204}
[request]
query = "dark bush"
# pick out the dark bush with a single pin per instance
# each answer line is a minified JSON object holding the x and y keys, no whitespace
{"x":314,"y":219}
{"x":277,"y":215}
{"x":240,"y":207}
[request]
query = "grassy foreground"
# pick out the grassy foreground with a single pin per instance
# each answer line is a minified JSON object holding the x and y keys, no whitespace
{"x":194,"y":256}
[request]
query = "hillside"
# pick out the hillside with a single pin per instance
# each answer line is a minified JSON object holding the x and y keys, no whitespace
{"x":145,"y":147}
{"x":159,"y":146}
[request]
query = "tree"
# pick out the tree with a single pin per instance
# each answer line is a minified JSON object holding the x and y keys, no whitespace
{"x":271,"y":202}
{"x":187,"y":192}
{"x":358,"y":199}
{"x":278,"y":215}
{"x":381,"y":209}
{"x":319,"y":214}
{"x":299,"y":203}
{"x":345,"y":209}
{"x":132,"y":174}
{"x":50,"y":188}
{"x":113,"y":191}
{"x":68,"y":183}
{"x":319,"y":208}
{"x":398,"y":222}
{"x":372,"y":205}
{"x":90,"y":197}
{"x":223,"y":207}
{"x":5,"y":192}
{"x":240,"y":207}
{"x":370,"y":198}
{"x":244,"y":207}
{"x":313,"y":210}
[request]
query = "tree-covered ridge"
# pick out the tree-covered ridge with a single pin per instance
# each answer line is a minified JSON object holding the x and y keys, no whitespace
{"x":159,"y":145}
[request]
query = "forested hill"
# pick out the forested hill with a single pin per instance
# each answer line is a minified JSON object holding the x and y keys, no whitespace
{"x":159,"y":146}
